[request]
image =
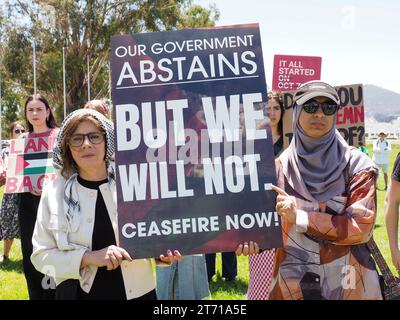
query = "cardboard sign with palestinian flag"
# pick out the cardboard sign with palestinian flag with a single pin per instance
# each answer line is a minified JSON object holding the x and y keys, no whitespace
{"x":30,"y":164}
{"x":349,"y":118}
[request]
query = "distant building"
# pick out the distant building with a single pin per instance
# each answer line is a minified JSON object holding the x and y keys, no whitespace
{"x":372,"y":128}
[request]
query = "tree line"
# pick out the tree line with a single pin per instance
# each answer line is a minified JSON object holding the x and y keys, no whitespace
{"x":82,"y":29}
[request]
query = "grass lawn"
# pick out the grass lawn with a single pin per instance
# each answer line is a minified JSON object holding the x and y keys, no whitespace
{"x":13,"y":286}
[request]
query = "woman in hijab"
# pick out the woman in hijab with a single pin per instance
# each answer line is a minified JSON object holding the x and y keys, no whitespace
{"x":76,"y":233}
{"x":327,"y":201}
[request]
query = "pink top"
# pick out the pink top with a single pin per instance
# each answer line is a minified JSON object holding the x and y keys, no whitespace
{"x":48,"y":133}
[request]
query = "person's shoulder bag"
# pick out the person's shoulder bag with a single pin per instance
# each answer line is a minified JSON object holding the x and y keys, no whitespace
{"x":390,"y":285}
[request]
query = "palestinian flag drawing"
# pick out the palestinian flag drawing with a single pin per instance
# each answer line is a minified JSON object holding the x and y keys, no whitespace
{"x":34,"y":163}
{"x":30,"y":165}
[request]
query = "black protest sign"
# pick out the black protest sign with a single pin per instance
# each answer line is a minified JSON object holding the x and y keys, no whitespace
{"x":194,"y":158}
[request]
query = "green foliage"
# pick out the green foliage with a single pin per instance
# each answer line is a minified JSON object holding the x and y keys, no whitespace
{"x":85,"y":29}
{"x":11,"y":110}
{"x":16,"y":52}
{"x":197,"y":16}
{"x":12,"y":279}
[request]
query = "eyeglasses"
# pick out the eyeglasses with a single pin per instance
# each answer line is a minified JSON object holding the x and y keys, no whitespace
{"x":328,"y":108}
{"x":18,"y":131}
{"x":78,"y":139}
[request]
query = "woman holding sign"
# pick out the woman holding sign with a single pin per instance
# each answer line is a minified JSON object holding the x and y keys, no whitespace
{"x":9,"y":228}
{"x":260,"y":266}
{"x":41,"y":124}
{"x":327,"y":201}
{"x":76,"y":233}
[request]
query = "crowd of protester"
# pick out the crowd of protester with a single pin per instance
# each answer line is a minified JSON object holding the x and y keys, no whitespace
{"x":326,"y":198}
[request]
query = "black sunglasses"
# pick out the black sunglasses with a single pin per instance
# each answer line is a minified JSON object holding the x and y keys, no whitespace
{"x":328,"y":108}
{"x":17,"y":131}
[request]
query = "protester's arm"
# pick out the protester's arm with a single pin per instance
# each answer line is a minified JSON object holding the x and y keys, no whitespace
{"x":355,"y":225}
{"x":392,"y":201}
{"x":46,"y":255}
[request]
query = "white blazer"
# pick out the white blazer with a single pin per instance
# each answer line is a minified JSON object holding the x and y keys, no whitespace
{"x":58,"y":253}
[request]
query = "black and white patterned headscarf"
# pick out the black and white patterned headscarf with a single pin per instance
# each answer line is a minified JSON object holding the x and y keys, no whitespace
{"x":72,"y":208}
{"x":105,"y":124}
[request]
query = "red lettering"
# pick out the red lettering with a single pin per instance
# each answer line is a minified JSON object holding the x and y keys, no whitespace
{"x":30,"y":145}
{"x":339,"y":117}
{"x":26,"y":183}
{"x":348,"y":115}
{"x":42,"y":143}
{"x":11,"y":185}
{"x":39,"y":145}
{"x":41,"y":181}
{"x":359,"y":114}
{"x":38,"y":183}
{"x":12,"y":148}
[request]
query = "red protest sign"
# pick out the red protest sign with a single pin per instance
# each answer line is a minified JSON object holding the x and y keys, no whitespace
{"x":291,"y":71}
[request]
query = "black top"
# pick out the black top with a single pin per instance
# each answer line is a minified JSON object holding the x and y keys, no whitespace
{"x":107,"y":285}
{"x":278,"y":146}
{"x":396,"y":169}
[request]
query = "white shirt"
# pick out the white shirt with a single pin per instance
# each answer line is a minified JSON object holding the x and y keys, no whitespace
{"x":58,"y":253}
{"x":381,"y":150}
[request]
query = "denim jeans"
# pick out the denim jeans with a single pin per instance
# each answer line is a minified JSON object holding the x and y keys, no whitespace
{"x":185,"y":280}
